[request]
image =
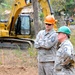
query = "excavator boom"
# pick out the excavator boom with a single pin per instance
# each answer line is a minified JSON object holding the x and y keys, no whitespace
{"x":18,"y":27}
{"x":20,"y":4}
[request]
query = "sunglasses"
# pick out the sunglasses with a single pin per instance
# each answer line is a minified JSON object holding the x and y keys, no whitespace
{"x":48,"y":24}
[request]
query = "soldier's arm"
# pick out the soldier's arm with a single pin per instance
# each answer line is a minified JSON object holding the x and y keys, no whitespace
{"x":38,"y":39}
{"x":36,"y":43}
{"x":48,"y":42}
{"x":67,"y":56}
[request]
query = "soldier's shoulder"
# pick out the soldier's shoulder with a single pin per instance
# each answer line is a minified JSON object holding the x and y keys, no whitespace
{"x":68,"y":43}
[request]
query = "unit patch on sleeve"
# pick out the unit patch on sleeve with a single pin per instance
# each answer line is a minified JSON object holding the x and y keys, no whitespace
{"x":53,"y":39}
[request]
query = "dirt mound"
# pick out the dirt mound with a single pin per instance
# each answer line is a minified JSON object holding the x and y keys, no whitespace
{"x":17,"y":70}
{"x":17,"y":62}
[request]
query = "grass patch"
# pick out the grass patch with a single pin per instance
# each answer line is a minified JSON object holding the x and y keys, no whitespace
{"x":73,"y":38}
{"x":72,"y":23}
{"x":18,"y":52}
{"x":32,"y":52}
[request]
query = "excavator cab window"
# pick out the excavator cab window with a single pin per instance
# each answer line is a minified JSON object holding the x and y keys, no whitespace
{"x":23,"y":25}
{"x":27,"y":1}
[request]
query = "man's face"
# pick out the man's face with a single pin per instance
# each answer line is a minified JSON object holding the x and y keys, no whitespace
{"x":61,"y":36}
{"x":48,"y":27}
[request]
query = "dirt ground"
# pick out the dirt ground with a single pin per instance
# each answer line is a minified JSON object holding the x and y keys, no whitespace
{"x":17,"y":62}
{"x":17,"y":70}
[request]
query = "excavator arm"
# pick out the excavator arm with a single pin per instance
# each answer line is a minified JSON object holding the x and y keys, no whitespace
{"x":20,"y":4}
{"x":9,"y":31}
{"x":45,"y":7}
{"x":16,"y":9}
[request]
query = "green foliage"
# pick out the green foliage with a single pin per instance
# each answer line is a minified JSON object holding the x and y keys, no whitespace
{"x":73,"y":38}
{"x":66,"y":5}
{"x":68,"y":2}
{"x":41,"y":15}
{"x":18,"y":51}
{"x":32,"y":51}
{"x":1,"y":1}
{"x":1,"y":63}
{"x":69,"y":7}
{"x":72,"y":23}
{"x":6,"y":4}
{"x":1,"y":9}
{"x":57,"y":5}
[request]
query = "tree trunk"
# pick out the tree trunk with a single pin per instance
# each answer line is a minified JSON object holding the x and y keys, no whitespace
{"x":35,"y":16}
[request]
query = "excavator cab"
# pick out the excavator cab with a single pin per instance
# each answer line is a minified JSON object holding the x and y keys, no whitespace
{"x":23,"y":25}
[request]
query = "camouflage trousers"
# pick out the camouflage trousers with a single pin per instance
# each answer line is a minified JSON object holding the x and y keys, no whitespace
{"x":45,"y":68}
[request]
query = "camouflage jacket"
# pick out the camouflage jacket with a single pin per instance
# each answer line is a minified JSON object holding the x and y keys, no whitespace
{"x":66,"y":50}
{"x":46,"y":44}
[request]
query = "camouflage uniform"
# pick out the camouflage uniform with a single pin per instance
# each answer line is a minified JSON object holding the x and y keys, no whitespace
{"x":65,"y":50}
{"x":46,"y":44}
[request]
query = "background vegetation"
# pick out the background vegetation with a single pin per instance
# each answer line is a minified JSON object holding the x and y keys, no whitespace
{"x":63,"y":10}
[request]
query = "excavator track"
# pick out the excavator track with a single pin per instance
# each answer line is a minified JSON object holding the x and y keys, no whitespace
{"x":22,"y":43}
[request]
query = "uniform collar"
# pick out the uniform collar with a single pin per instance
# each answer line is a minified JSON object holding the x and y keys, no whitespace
{"x":49,"y":31}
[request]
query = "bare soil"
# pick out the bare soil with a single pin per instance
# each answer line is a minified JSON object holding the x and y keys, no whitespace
{"x":17,"y":62}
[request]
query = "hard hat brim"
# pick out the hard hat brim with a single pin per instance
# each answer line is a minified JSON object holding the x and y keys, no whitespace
{"x":48,"y":23}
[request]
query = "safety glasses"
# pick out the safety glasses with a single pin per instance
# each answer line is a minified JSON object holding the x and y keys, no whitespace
{"x":48,"y":24}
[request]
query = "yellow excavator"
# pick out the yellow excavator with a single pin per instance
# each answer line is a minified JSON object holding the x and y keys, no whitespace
{"x":18,"y":27}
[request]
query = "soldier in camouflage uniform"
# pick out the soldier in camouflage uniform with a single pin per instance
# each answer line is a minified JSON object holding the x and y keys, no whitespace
{"x":63,"y":62}
{"x":46,"y":43}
